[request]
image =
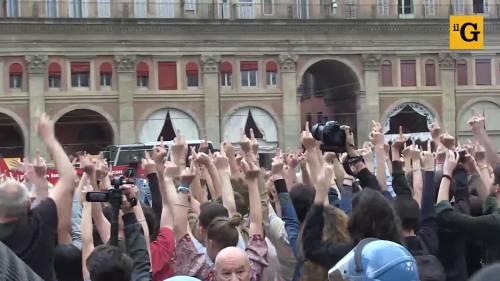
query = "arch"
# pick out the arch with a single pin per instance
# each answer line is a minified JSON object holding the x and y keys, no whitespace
{"x":422,"y":107}
{"x":264,"y":107}
{"x":20,"y":123}
{"x":345,"y":61}
{"x":101,"y":111}
{"x":264,"y":122}
{"x":153,"y":122}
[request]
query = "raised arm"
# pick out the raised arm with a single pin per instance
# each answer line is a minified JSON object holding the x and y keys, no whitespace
{"x":477,"y":124}
{"x":182,"y":205}
{"x":63,"y":191}
{"x":86,"y":229}
{"x":378,"y":142}
{"x":222,"y":165}
{"x":251,"y":176}
{"x":417,"y":174}
{"x":149,"y":167}
{"x":449,"y":166}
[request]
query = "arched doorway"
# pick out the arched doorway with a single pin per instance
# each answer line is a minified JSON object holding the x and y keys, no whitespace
{"x":165,"y":122}
{"x":329,"y":91}
{"x":415,"y":119}
{"x":11,"y":138}
{"x":491,"y":111}
{"x":83,"y":130}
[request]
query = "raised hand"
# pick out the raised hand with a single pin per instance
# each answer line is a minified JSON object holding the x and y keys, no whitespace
{"x":477,"y":123}
{"x":447,"y":140}
{"x":179,"y":150}
{"x":228,"y":148}
{"x":292,"y":160}
{"x":435,"y":130}
{"x":45,"y":128}
{"x":377,"y":138}
{"x":245,"y":143}
{"x":349,"y":139}
{"x":39,"y":166}
{"x":159,"y":153}
{"x":203,"y":147}
{"x":254,"y":144}
{"x":399,"y":141}
{"x":148,"y":165}
{"x":450,"y":163}
{"x":101,"y":168}
{"x":277,"y":166}
{"x":250,"y":170}
{"x":172,"y":170}
{"x":470,"y":164}
{"x":307,"y":138}
{"x":428,"y":159}
{"x":222,"y":162}
{"x":187,"y":176}
{"x":414,"y":152}
{"x":87,"y":165}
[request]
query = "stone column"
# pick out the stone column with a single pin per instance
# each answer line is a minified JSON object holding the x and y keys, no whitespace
{"x":369,"y":108}
{"x":125,"y":68}
{"x":448,"y":109}
{"x":211,"y":91}
{"x":290,"y":136}
{"x":37,"y":69}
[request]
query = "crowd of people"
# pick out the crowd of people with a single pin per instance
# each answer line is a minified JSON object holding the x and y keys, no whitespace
{"x":387,"y":211}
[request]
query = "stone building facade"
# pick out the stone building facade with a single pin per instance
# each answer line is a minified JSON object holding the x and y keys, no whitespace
{"x":112,"y":72}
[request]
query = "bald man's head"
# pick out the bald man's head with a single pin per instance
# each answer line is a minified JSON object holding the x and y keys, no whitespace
{"x":14,"y":200}
{"x":232,"y":264}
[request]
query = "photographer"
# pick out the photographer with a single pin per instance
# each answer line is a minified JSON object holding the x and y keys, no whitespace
{"x":109,"y":263}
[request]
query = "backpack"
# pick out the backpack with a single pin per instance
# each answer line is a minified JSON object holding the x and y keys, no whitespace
{"x":429,"y":266}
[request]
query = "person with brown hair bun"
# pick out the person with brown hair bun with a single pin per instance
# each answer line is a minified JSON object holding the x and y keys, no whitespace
{"x":222,"y":234}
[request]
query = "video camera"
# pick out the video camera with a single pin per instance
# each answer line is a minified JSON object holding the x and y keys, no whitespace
{"x":331,"y":135}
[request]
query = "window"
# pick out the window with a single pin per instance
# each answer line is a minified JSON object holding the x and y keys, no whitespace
{"x":271,"y":73}
{"x":268,"y":7}
{"x":246,"y":9}
{"x":334,"y":7}
{"x":167,"y":75}
{"x":223,"y":9}
{"x":226,"y":70}
{"x":480,"y":6}
{"x":12,"y":8}
{"x":141,"y":8}
{"x":405,"y":7}
{"x":80,"y":73}
{"x":54,"y":75}
{"x":104,"y":8}
{"x":190,"y":5}
{"x":302,"y":9}
{"x":383,"y":7}
{"x":192,"y":74}
{"x":386,"y":74}
{"x":15,"y":76}
{"x":462,"y":78}
{"x":77,"y":8}
{"x":52,"y":8}
{"x":249,"y":71}
{"x":142,"y":74}
{"x":429,"y":8}
{"x":430,"y":73}
{"x":458,"y":7}
{"x":408,"y":73}
{"x":106,"y":74}
{"x":351,"y":9}
{"x":483,"y":71}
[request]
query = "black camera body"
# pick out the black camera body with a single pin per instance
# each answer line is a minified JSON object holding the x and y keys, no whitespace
{"x":113,"y":194}
{"x":331,"y":135}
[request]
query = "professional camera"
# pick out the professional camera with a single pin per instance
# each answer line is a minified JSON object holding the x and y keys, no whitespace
{"x":114,"y":197}
{"x":331,"y":135}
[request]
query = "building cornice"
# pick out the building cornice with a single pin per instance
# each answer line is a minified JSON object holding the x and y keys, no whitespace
{"x":156,"y":26}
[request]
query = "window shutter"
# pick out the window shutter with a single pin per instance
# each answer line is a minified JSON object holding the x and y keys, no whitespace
{"x":387,"y":74}
{"x":167,"y":75}
{"x":80,"y":67}
{"x":271,"y":67}
{"x":248,"y":65}
{"x":483,"y":72}
{"x":192,"y":68}
{"x":16,"y":69}
{"x":408,"y":73}
{"x":54,"y":69}
{"x":430,"y":74}
{"x":226,"y":67}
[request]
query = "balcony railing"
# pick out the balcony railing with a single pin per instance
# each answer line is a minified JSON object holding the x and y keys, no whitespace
{"x":231,"y":10}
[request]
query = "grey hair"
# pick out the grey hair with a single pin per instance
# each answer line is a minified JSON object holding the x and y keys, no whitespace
{"x":14,"y":198}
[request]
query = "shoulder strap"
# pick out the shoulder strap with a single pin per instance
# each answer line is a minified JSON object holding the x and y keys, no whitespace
{"x":359,"y":250}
